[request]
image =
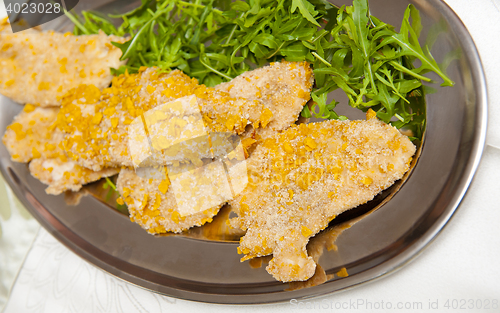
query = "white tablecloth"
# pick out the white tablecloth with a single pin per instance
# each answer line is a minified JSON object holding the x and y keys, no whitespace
{"x":460,"y":266}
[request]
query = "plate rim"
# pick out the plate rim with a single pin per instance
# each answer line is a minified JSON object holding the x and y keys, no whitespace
{"x":370,"y":275}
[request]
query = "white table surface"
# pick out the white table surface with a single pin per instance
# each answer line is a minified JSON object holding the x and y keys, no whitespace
{"x":461,"y":264}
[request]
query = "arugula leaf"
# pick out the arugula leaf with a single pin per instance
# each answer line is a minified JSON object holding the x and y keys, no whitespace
{"x":360,"y":19}
{"x":407,"y":39}
{"x":240,"y":6}
{"x":267,"y":40}
{"x":217,"y":40}
{"x":295,"y":50}
{"x":306,"y":9}
{"x":144,"y":4}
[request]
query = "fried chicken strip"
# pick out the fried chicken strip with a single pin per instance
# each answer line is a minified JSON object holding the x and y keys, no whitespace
{"x":39,"y":67}
{"x":304,"y":177}
{"x":33,"y":137}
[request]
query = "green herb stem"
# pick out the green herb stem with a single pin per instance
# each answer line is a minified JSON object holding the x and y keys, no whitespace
{"x":110,"y":183}
{"x":77,"y":23}
{"x":321,"y":59}
{"x":407,"y":71}
{"x":214,"y":70}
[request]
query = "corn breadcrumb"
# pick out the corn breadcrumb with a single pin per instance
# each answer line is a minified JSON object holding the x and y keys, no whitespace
{"x":302,"y":178}
{"x":40,"y":67}
{"x":283,"y":88}
{"x":96,"y":123}
{"x":32,"y":134}
{"x":33,"y":137}
{"x":153,"y":205}
{"x":62,"y":176}
{"x":226,"y":108}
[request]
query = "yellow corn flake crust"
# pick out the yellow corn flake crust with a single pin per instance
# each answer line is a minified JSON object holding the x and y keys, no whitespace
{"x":219,"y":116}
{"x":62,"y":176}
{"x":33,"y":137}
{"x":304,"y":177}
{"x":176,"y":132}
{"x":153,"y":204}
{"x":39,"y":67}
{"x":283,"y":88}
{"x":177,"y":197}
{"x":96,"y":124}
{"x":32,"y":134}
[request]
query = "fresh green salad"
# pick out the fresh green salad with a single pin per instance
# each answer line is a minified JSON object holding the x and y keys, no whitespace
{"x":217,"y":40}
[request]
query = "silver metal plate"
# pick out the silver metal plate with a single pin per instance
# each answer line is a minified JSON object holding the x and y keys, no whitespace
{"x":369,"y":242}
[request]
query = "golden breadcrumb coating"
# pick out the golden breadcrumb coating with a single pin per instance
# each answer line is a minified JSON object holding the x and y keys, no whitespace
{"x":175,"y":132}
{"x":304,"y":177}
{"x":33,"y":137}
{"x":315,"y":249}
{"x":283,"y":88}
{"x":153,"y":204}
{"x":229,"y":112}
{"x":39,"y":67}
{"x":179,"y":196}
{"x":96,"y":124}
{"x":32,"y":134}
{"x":62,"y":176}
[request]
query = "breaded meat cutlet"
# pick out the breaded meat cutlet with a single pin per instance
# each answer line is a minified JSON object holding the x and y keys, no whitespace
{"x":39,"y":67}
{"x":304,"y":177}
{"x":96,"y":124}
{"x":316,"y":247}
{"x":159,"y":207}
{"x":283,"y":87}
{"x":33,"y":137}
{"x":176,"y":197}
{"x":175,"y":132}
{"x":61,"y":176}
{"x":218,"y":119}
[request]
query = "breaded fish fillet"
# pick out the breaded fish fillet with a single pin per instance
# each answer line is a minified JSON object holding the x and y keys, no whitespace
{"x":33,"y":137}
{"x":39,"y":67}
{"x":96,"y":124}
{"x":304,"y":177}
